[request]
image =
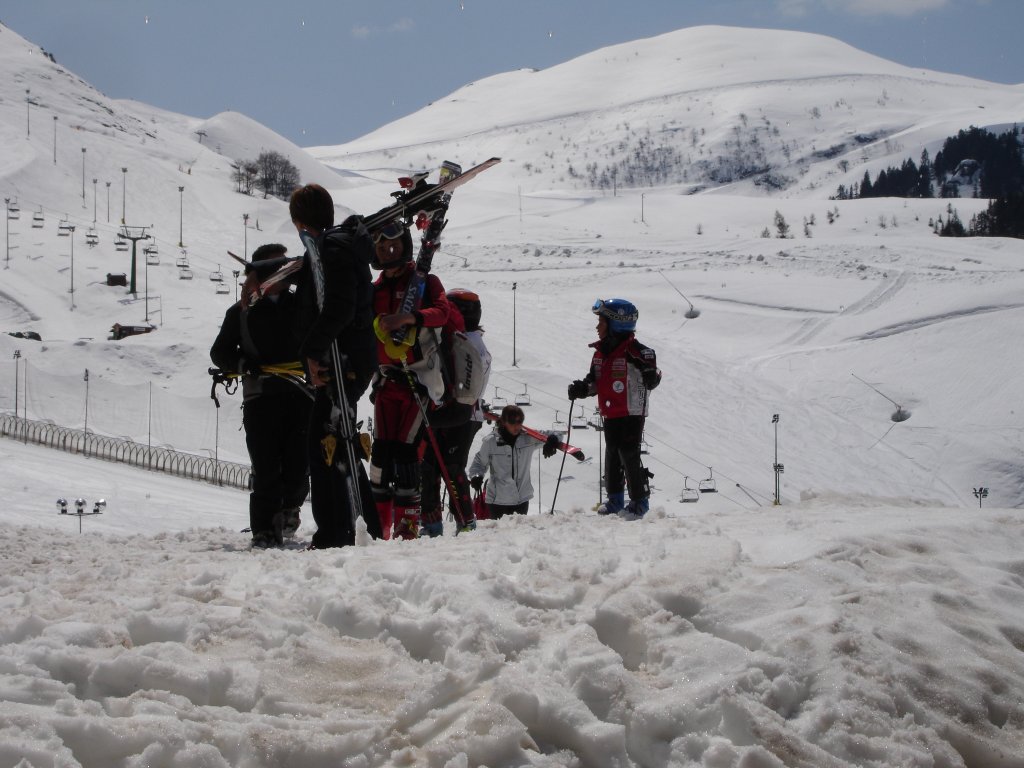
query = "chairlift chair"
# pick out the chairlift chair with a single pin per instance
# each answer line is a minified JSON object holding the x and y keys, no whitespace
{"x":708,"y":484}
{"x":523,"y":398}
{"x":580,"y":420}
{"x":181,"y":262}
{"x":150,"y":249}
{"x":37,"y":219}
{"x":64,"y":228}
{"x":689,"y":495}
{"x":497,"y":402}
{"x":91,"y":238}
{"x":184,"y":273}
{"x":645,"y":447}
{"x":596,"y":422}
{"x":13,"y":211}
{"x":152,"y":259}
{"x":217,"y":277}
{"x":223,"y":288}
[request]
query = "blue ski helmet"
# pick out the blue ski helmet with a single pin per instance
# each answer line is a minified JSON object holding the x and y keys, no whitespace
{"x":620,"y":314}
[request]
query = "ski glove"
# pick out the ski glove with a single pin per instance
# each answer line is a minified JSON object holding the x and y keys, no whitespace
{"x":477,"y":483}
{"x":551,"y":446}
{"x":578,"y":389}
{"x":651,"y":377}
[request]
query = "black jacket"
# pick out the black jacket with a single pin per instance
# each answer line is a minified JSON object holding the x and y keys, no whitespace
{"x":347,"y":313}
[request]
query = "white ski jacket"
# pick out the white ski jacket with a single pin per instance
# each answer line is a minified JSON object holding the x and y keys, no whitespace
{"x":509,"y":466}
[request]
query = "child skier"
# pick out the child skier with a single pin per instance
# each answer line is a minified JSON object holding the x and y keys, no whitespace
{"x":622,"y":373}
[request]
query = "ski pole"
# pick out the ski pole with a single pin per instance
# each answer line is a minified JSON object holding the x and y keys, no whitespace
{"x":568,"y":434}
{"x":453,"y":494}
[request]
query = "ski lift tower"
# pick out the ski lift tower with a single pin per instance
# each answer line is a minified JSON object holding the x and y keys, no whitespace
{"x":779,"y":469}
{"x":134,"y":234}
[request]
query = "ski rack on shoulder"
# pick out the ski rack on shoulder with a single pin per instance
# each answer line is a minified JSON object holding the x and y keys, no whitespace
{"x":536,"y":434}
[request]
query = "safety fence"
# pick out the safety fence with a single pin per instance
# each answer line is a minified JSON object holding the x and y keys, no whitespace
{"x":207,"y":469}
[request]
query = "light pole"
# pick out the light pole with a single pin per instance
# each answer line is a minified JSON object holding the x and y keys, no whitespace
{"x":86,"y":379}
{"x":108,"y":202}
{"x":236,"y":273}
{"x":54,"y":139}
{"x":642,"y":208}
{"x":181,"y":217}
{"x":94,"y":200}
{"x":124,"y":191}
{"x":514,"y":365}
{"x":83,"y":177}
{"x":776,"y":466}
{"x":72,"y":291}
{"x":245,"y":235}
{"x":980,"y":493}
{"x":28,"y":113}
{"x":7,"y":227}
{"x":17,"y":360}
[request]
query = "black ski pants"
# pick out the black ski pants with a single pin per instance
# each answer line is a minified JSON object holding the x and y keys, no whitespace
{"x":454,"y":444}
{"x":332,"y":512}
{"x":623,"y":467}
{"x":275,"y":435}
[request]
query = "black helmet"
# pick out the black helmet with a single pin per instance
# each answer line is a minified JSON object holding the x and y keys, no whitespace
{"x":468,"y":303}
{"x":393,"y":230}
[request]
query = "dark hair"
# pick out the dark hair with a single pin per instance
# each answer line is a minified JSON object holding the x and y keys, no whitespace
{"x":312,"y":205}
{"x":268,"y":251}
{"x":512,"y":412}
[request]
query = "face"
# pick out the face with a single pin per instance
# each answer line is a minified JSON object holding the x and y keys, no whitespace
{"x":390,"y":252}
{"x":602,"y":327}
{"x":513,"y":426}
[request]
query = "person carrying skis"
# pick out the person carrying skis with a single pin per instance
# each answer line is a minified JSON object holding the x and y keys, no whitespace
{"x":408,"y":376}
{"x":347,"y":318}
{"x":506,"y":453}
{"x":455,"y":440}
{"x":622,"y":373}
{"x":257,"y":341}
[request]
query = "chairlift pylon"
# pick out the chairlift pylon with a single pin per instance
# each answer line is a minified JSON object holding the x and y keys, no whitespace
{"x":708,"y":484}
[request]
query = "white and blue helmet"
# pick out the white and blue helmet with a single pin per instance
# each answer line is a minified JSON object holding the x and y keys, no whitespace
{"x":620,"y":314}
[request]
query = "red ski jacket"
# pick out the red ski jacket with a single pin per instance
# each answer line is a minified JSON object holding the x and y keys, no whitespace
{"x":616,"y":377}
{"x":387,"y":299}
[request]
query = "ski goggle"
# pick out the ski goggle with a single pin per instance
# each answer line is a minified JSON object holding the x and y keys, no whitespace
{"x":390,"y":231}
{"x":605,"y":308}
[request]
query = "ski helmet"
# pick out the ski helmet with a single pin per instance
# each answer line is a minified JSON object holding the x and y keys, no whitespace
{"x":393,"y":230}
{"x":468,"y":304}
{"x":620,"y":314}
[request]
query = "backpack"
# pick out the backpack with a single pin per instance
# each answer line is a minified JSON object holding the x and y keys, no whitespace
{"x":461,"y":377}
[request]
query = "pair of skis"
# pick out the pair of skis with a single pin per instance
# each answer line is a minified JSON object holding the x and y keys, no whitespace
{"x":418,"y":202}
{"x":536,"y":434}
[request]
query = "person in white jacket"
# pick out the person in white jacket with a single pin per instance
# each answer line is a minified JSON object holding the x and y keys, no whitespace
{"x":506,"y":454}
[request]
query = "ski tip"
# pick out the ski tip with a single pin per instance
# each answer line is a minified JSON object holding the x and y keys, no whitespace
{"x":579,"y":456}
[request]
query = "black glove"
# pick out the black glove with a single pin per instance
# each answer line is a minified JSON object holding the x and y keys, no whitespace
{"x":578,"y":389}
{"x":551,"y":446}
{"x":651,"y":377}
{"x":477,"y":483}
{"x":248,"y":368}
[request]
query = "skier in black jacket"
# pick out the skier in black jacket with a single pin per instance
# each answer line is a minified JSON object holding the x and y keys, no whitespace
{"x":258,"y":342}
{"x":346,"y":316}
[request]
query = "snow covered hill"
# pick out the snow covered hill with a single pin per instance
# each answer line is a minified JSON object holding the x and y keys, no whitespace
{"x":872,"y":619}
{"x":738,"y":110}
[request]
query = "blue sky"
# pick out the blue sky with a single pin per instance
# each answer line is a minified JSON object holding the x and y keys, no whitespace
{"x":327,"y":71}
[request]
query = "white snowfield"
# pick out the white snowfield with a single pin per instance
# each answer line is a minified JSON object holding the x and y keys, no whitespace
{"x":874,"y":618}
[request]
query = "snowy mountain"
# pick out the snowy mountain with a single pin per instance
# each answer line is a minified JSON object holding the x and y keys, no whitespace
{"x":873,"y":618}
{"x":736,"y":110}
